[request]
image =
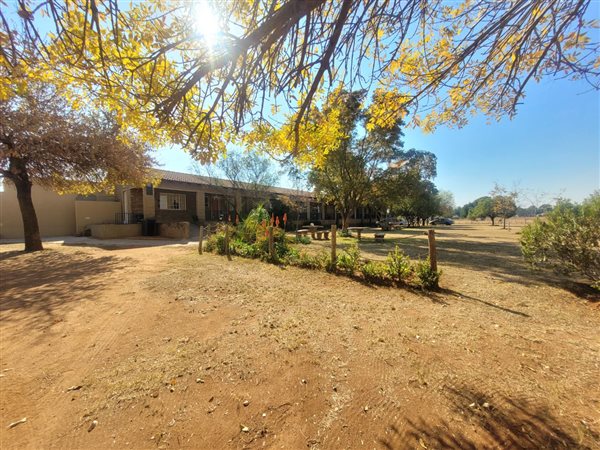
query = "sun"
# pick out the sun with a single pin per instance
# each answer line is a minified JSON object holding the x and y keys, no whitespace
{"x":206,"y":20}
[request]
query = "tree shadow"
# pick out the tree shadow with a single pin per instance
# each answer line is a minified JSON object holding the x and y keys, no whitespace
{"x":34,"y":286}
{"x":503,"y":260}
{"x":441,"y":295}
{"x":489,"y":421}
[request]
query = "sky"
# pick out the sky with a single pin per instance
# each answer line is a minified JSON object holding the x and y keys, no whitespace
{"x":550,"y":148}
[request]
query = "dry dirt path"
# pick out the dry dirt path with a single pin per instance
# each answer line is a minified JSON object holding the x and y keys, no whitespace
{"x":168,"y":349}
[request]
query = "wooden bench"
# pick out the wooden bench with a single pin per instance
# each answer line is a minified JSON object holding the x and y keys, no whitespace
{"x":379,"y":237}
{"x":326,"y":234}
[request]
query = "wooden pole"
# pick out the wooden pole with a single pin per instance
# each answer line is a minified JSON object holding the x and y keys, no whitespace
{"x":271,"y":243}
{"x":200,"y":237}
{"x":333,"y":241}
{"x":432,"y":250}
{"x":227,"y":243}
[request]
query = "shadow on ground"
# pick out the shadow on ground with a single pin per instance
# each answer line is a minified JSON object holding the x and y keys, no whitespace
{"x":40,"y":283}
{"x":501,"y":259}
{"x":442,"y":296}
{"x":494,"y":421}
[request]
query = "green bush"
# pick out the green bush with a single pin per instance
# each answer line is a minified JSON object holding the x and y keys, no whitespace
{"x":319,"y":261}
{"x":399,"y":266}
{"x":241,"y":248}
{"x":251,"y":227}
{"x":427,"y":277}
{"x":348,"y":260}
{"x":304,"y":240}
{"x":291,"y":257}
{"x":567,"y":239}
{"x":375,"y":271}
{"x":216,"y":243}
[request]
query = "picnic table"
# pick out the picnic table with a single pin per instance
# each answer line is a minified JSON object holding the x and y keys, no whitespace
{"x":358,"y":230}
{"x":313,"y":229}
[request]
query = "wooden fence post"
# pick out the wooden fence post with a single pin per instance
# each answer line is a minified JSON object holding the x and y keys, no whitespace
{"x":200,"y":237}
{"x":432,"y":250}
{"x":333,"y":241}
{"x":227,"y":243}
{"x":271,"y":243}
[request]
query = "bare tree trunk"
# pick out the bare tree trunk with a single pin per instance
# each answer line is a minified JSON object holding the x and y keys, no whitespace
{"x":345,"y":219}
{"x":492,"y":220}
{"x":33,"y":241}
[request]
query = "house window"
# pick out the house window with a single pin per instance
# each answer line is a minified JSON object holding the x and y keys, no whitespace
{"x":172,"y":201}
{"x":149,"y":189}
{"x":219,"y":207}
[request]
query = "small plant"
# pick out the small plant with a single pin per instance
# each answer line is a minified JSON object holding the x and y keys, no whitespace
{"x":319,"y":261}
{"x":241,"y":248}
{"x":375,"y":271}
{"x":428,"y":278}
{"x":292,"y":257}
{"x":349,"y":259}
{"x":399,"y":266}
{"x":304,"y":240}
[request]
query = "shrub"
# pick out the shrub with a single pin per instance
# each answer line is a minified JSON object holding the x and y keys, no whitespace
{"x":349,"y":259}
{"x":428,"y":278}
{"x":319,"y":261}
{"x":375,"y":271}
{"x":568,"y":240}
{"x":280,"y":242}
{"x":304,"y":240}
{"x":399,"y":265}
{"x":241,"y":248}
{"x":251,"y":227}
{"x":216,"y":243}
{"x":291,"y":257}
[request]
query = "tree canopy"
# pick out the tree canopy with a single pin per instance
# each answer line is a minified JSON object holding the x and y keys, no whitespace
{"x":350,"y":173}
{"x":274,"y":62}
{"x":43,"y":140}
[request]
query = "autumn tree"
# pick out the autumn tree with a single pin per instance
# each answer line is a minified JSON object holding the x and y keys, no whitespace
{"x":350,"y":172}
{"x":202,"y":76}
{"x":43,"y":141}
{"x":504,"y":202}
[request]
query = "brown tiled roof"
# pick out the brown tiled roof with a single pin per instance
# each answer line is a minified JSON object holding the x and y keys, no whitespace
{"x":189,"y":178}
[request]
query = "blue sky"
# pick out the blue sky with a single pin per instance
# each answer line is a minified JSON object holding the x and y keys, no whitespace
{"x":551,"y":147}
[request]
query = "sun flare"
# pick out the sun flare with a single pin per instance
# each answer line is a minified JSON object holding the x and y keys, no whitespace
{"x":206,"y":20}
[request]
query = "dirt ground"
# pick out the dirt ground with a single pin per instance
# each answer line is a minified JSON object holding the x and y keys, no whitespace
{"x":163,"y":348}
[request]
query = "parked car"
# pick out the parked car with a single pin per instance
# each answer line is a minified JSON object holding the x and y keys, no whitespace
{"x":441,"y":221}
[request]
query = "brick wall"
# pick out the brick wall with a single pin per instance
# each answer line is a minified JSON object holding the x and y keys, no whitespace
{"x":137,"y":202}
{"x":166,"y":215}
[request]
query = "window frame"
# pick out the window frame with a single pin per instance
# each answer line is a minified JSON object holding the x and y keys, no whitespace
{"x":171,"y":199}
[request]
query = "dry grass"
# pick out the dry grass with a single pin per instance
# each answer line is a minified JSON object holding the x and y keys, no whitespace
{"x":169,"y":345}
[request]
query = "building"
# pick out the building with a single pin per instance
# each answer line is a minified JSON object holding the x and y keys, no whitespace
{"x":179,"y":197}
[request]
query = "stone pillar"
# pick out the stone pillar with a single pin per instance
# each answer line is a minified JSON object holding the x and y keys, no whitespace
{"x":200,"y":206}
{"x":148,"y":204}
